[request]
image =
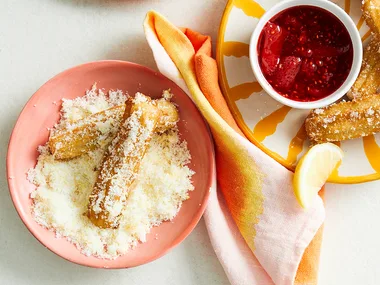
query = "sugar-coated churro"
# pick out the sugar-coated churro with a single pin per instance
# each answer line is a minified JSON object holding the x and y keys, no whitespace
{"x":121,"y":162}
{"x":93,"y":131}
{"x":371,"y":14}
{"x":344,"y":120}
{"x":86,"y":134}
{"x":368,"y":81}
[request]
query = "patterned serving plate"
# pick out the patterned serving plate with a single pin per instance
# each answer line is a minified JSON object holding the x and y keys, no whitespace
{"x":277,"y":129}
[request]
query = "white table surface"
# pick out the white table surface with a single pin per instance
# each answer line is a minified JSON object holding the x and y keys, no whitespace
{"x":40,"y":38}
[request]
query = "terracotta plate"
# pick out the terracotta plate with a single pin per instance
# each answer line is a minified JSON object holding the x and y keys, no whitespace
{"x":40,"y":113}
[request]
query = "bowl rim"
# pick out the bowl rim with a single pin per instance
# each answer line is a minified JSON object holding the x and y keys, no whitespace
{"x":356,"y":44}
{"x":195,"y":219}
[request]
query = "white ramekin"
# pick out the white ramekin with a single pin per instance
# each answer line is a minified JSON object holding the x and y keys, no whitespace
{"x":356,"y":43}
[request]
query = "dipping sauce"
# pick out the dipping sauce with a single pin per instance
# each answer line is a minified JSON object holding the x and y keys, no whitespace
{"x":305,"y":53}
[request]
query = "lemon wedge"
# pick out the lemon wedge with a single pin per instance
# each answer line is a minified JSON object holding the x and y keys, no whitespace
{"x":313,"y":170}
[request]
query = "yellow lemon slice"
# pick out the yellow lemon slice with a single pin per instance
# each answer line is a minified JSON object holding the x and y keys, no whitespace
{"x":313,"y":170}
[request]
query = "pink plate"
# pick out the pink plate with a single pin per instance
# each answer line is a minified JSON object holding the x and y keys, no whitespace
{"x":40,"y":113}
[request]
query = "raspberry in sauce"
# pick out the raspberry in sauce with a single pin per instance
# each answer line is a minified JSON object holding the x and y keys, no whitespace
{"x":305,"y":53}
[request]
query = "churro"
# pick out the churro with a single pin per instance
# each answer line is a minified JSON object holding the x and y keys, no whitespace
{"x":121,"y":162}
{"x":86,"y":134}
{"x":371,"y":14}
{"x":345,"y":120}
{"x":95,"y":131}
{"x":368,"y":81}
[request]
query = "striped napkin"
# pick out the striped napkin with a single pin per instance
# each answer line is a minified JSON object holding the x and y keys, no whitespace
{"x":259,"y":232}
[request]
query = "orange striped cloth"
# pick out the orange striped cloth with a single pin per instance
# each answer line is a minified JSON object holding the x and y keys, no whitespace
{"x":259,"y":232}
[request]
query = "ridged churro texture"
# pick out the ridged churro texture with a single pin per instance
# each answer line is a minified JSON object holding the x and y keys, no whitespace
{"x":345,"y":120}
{"x":121,"y":162}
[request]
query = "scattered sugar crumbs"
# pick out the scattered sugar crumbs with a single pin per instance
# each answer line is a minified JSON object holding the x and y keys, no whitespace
{"x":61,"y":197}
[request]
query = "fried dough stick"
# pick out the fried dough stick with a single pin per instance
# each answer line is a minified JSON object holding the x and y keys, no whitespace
{"x":344,"y":120}
{"x":91,"y":132}
{"x":122,"y":161}
{"x":84,"y":135}
{"x":368,"y":81}
{"x":371,"y":13}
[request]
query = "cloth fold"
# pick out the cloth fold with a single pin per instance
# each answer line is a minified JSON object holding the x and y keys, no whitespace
{"x":256,"y":227}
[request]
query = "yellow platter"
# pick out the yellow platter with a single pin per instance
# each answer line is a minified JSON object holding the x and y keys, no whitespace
{"x":277,"y":129}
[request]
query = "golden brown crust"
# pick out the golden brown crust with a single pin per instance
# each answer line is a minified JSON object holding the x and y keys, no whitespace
{"x":368,"y":81}
{"x":84,"y":135}
{"x":344,"y":120}
{"x":371,"y":14}
{"x":87,"y":134}
{"x":121,"y":162}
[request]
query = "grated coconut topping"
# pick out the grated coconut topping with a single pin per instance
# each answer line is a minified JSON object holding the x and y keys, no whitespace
{"x":63,"y":188}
